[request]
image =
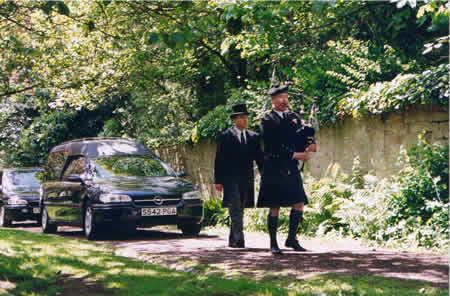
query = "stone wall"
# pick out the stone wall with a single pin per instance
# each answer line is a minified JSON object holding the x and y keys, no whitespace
{"x":376,"y":140}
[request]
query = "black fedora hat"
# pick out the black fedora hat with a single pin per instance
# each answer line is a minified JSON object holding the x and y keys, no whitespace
{"x":239,"y":109}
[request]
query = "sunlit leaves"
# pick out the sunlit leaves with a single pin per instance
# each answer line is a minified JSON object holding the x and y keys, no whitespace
{"x":429,"y":87}
{"x":171,"y":63}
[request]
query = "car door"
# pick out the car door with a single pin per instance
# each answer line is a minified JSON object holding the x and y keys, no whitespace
{"x":71,"y":190}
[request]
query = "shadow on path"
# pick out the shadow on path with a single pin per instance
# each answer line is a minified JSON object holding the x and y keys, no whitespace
{"x":209,"y":252}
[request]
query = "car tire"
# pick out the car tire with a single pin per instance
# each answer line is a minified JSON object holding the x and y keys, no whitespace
{"x":3,"y":221}
{"x":190,"y":229}
{"x":46,"y":225}
{"x":89,"y":225}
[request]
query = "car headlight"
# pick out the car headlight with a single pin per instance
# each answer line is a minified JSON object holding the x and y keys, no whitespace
{"x":17,"y":201}
{"x":192,"y":195}
{"x":111,"y":197}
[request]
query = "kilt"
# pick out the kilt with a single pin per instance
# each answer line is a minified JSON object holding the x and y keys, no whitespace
{"x":281,"y":186}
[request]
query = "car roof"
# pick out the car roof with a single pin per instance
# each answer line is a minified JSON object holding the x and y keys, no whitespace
{"x":26,"y":169}
{"x":98,"y":147}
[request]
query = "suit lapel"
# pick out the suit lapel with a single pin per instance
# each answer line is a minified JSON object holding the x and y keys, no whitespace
{"x":235,"y":137}
{"x":275,"y":117}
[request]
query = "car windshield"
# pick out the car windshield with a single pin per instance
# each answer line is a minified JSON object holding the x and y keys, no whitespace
{"x":22,"y":179}
{"x":131,"y":165}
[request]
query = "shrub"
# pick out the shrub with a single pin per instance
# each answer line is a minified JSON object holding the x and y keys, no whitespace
{"x":214,"y":214}
{"x":420,"y":209}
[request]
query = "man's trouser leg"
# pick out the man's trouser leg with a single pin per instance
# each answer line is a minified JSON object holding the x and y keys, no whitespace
{"x":295,"y":218}
{"x":236,"y":238}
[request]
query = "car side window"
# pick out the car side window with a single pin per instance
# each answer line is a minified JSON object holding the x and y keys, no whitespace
{"x":55,"y":165}
{"x":77,"y":166}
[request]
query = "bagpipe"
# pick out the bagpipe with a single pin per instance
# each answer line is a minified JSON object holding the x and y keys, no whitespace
{"x":305,"y":135}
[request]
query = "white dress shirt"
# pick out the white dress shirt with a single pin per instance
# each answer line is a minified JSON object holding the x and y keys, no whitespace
{"x":241,"y":134}
{"x":281,"y":114}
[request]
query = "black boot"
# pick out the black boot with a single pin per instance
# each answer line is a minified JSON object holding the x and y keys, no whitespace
{"x":272,"y":223}
{"x":295,"y":218}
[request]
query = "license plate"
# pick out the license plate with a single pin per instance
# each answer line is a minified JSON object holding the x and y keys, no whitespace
{"x":159,"y":211}
{"x":36,"y":210}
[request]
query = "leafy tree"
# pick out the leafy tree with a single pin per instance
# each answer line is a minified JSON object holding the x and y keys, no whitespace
{"x":163,"y":71}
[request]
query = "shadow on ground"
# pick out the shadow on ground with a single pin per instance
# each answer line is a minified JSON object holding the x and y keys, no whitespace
{"x":209,"y":253}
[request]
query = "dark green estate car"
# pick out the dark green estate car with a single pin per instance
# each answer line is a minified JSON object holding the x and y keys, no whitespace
{"x":100,"y":183}
{"x":19,"y":195}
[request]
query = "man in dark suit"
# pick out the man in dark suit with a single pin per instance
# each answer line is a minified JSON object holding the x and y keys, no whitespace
{"x":281,"y":183}
{"x":237,"y":148}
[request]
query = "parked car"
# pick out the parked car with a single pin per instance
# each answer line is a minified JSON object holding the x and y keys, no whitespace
{"x":99,"y":183}
{"x":19,"y":195}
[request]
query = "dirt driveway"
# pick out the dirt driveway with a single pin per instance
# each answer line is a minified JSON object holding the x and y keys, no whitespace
{"x":209,"y":253}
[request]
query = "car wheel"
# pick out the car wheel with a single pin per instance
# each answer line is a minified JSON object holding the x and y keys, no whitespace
{"x":90,"y":226}
{"x":190,"y":229}
{"x":46,"y":224}
{"x":3,"y":221}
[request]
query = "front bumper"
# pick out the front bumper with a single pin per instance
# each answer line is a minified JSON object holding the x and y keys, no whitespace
{"x":187,"y":212}
{"x":22,"y":212}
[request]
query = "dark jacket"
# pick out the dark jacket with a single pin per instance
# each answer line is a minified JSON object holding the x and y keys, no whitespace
{"x":281,"y":183}
{"x":234,"y":164}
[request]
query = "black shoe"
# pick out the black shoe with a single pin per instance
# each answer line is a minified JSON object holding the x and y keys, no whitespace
{"x":275,"y":250}
{"x":295,"y":245}
{"x":240,"y":245}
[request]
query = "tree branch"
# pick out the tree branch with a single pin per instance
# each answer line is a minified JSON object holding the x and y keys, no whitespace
{"x":16,"y":91}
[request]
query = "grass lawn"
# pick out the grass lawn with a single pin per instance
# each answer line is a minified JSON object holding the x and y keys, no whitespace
{"x":38,"y":264}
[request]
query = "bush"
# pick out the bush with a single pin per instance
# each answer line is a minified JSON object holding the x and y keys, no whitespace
{"x":420,"y":209}
{"x":214,"y":214}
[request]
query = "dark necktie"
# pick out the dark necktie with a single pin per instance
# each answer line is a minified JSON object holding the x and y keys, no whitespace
{"x":243,"y":141}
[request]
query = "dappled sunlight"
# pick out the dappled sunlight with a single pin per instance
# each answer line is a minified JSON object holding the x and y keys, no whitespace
{"x":94,"y":260}
{"x":115,"y":271}
{"x":79,"y":253}
{"x":204,"y":265}
{"x":91,"y":247}
{"x":6,"y":285}
{"x":27,"y":242}
{"x":70,"y":269}
{"x":113,"y":264}
{"x":335,"y":284}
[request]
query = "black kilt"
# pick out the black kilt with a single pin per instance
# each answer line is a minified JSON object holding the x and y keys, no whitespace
{"x":281,"y":187}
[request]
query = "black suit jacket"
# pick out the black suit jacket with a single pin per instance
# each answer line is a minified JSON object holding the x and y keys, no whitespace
{"x":234,"y":164}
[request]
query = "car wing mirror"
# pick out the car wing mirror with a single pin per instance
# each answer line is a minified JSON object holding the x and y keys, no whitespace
{"x":74,"y":178}
{"x":181,"y":174}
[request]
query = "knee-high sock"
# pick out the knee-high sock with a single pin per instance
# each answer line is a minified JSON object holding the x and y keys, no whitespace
{"x":295,"y":218}
{"x":272,"y":224}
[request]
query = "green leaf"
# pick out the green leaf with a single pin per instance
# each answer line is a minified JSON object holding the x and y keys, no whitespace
{"x":47,"y":7}
{"x":62,"y":8}
{"x":91,"y":26}
{"x":154,"y":37}
{"x":178,"y":38}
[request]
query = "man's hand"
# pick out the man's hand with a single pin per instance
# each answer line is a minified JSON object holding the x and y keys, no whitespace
{"x":219,"y":187}
{"x":301,"y":156}
{"x":311,"y":148}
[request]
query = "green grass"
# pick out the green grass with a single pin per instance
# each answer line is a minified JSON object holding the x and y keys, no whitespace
{"x":38,"y":264}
